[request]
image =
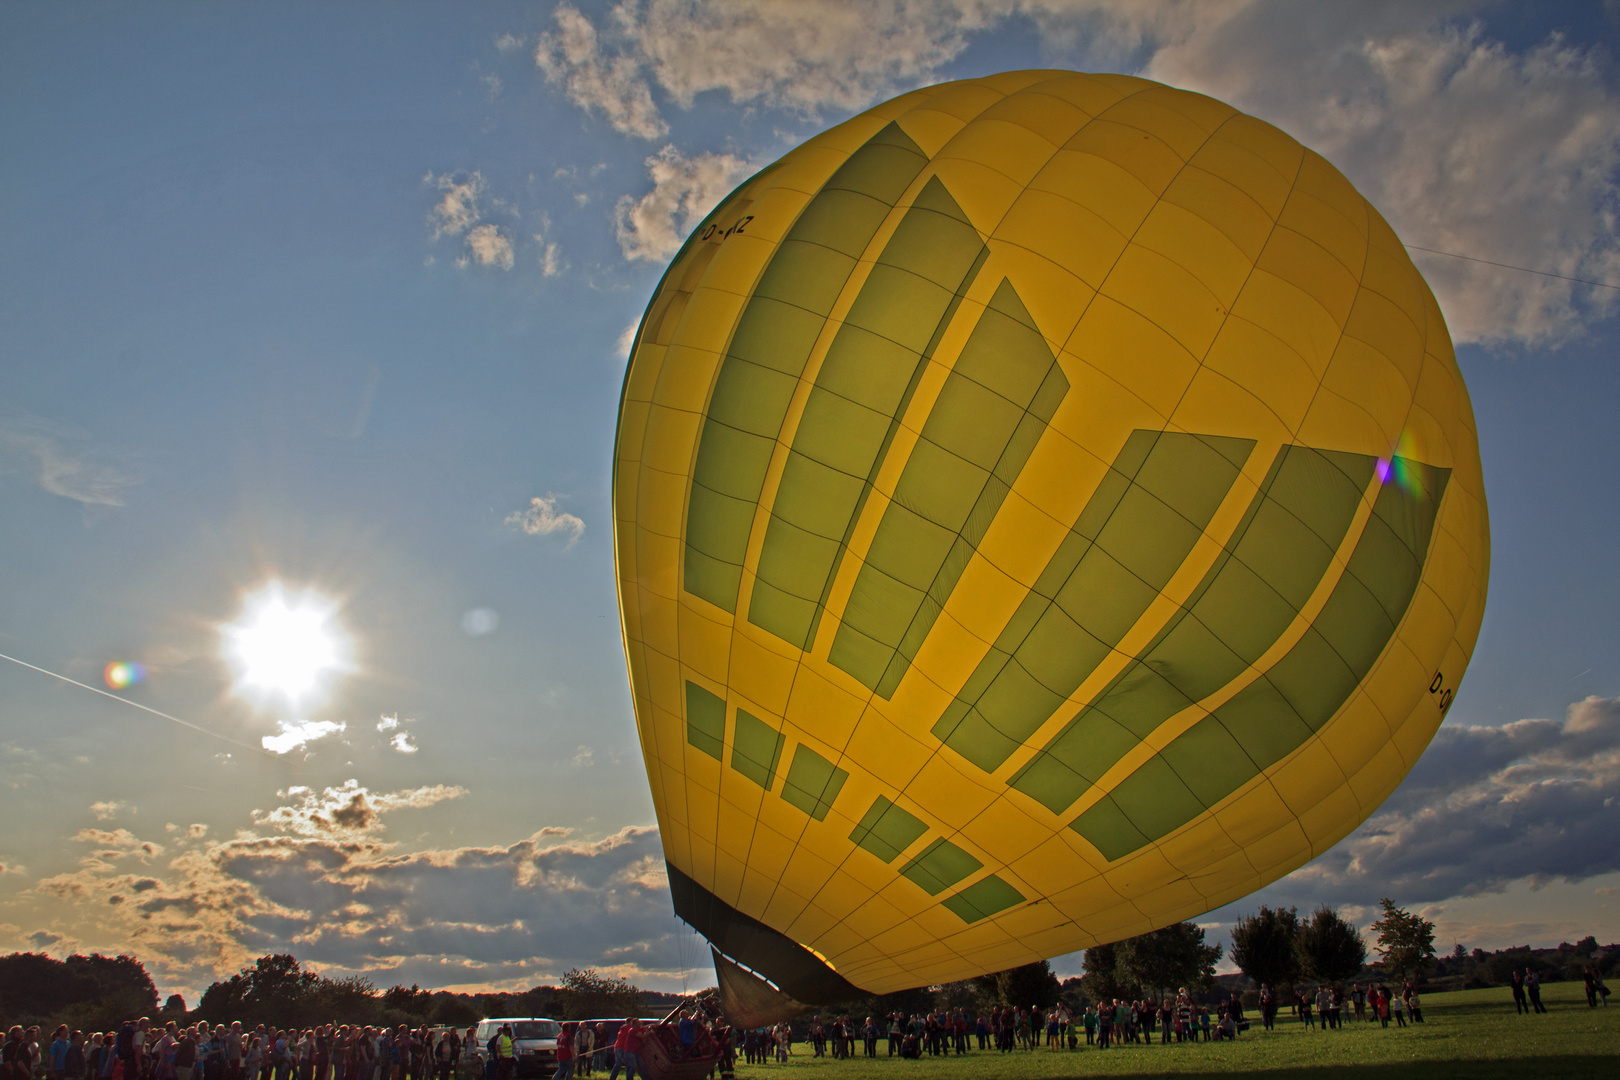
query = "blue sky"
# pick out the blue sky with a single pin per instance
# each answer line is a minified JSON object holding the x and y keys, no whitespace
{"x":331,"y":295}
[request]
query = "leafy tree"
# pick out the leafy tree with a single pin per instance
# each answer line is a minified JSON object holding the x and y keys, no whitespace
{"x":966,"y":994}
{"x":588,"y":994}
{"x":93,"y":993}
{"x":1405,"y":940}
{"x":174,"y":1004}
{"x":1099,"y":977}
{"x":1330,"y":949}
{"x":1263,"y":946}
{"x":1029,"y":986}
{"x":1172,"y":956}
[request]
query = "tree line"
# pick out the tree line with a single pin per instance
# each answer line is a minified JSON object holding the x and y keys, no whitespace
{"x":1276,"y":946}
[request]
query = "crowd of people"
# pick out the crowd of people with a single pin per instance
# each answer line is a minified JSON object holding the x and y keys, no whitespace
{"x":141,"y":1050}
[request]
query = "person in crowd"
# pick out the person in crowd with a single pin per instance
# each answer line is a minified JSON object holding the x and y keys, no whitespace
{"x":1521,"y":1004}
{"x":57,"y":1061}
{"x":1532,"y":988}
{"x":1324,"y":1006}
{"x":627,"y":1050}
{"x":565,"y":1053}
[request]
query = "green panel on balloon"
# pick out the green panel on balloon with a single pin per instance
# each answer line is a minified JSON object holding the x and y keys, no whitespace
{"x":861,"y":390}
{"x":993,"y":408}
{"x":1274,"y":715}
{"x":756,"y":748}
{"x":1137,"y":528}
{"x":887,"y":830}
{"x":1247,"y":599}
{"x":983,"y":899}
{"x":812,"y":782}
{"x":939,"y":866}
{"x":705,"y":721}
{"x":768,"y":351}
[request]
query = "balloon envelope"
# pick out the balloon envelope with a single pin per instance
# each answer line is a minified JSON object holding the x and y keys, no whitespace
{"x":1047,"y":507}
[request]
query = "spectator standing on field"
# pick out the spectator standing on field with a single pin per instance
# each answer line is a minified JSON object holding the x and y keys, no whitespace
{"x":1532,"y":987}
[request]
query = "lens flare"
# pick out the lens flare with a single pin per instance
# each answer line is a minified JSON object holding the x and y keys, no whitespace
{"x":1397,"y":468}
{"x":122,"y":674}
{"x":286,"y":646}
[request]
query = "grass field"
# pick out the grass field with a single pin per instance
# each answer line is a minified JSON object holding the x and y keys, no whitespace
{"x":1471,"y":1033}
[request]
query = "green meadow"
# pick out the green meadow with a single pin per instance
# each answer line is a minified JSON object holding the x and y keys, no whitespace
{"x":1470,"y":1034}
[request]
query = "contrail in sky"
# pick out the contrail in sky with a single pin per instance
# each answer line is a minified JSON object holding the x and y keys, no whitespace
{"x":135,"y":704}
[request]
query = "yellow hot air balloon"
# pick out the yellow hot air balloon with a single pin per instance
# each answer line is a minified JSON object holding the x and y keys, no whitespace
{"x":1047,"y":508}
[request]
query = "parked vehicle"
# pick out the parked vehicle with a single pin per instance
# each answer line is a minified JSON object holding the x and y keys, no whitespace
{"x":534,"y":1043}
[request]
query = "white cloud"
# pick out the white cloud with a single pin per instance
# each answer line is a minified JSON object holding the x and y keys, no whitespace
{"x":457,"y":209}
{"x":296,"y":734}
{"x":388,"y":723}
{"x":347,"y":811}
{"x":613,"y":86}
{"x":313,"y":877}
{"x":402,"y":743}
{"x":542,"y":518}
{"x":626,"y":338}
{"x":508,"y":42}
{"x":685,"y":188}
{"x":487,"y":247}
{"x":802,"y":56}
{"x":61,"y":461}
{"x":551,"y":261}
{"x":105,"y":811}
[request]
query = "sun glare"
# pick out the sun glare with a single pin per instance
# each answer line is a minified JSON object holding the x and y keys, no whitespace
{"x":286,"y":645}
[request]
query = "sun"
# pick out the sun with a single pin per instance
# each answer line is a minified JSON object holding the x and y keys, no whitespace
{"x":286,"y":645}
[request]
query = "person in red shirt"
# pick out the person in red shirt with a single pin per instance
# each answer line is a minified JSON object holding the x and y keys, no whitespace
{"x":565,"y":1053}
{"x":627,"y":1051}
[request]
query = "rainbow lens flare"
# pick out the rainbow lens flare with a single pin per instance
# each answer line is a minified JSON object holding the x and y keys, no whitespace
{"x":121,"y":674}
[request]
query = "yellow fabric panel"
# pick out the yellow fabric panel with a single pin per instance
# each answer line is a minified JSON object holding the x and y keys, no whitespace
{"x":1136,"y":352}
{"x":1054,"y":296}
{"x":1374,"y":383}
{"x":1045,"y":221}
{"x":1047,"y":115}
{"x":1198,"y":247}
{"x":1167,"y":295}
{"x":1288,"y":312}
{"x":1326,"y":226}
{"x":1268,"y":147}
{"x":1217,"y":403}
{"x":1090,"y":94}
{"x":1174,"y":267}
{"x":966,"y":99}
{"x":983,"y":190}
{"x":1247,"y":171}
{"x":1223,"y":206}
{"x":1378,"y":323}
{"x":1154,"y":111}
{"x":1354,"y":736}
{"x":1303,"y":262}
{"x":1010,"y":148}
{"x":1148,"y":158}
{"x":1326,"y":187}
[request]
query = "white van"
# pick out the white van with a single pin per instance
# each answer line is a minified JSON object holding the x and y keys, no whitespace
{"x":534,"y":1043}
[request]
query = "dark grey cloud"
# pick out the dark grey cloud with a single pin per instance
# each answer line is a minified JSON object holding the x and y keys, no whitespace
{"x":1484,"y":807}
